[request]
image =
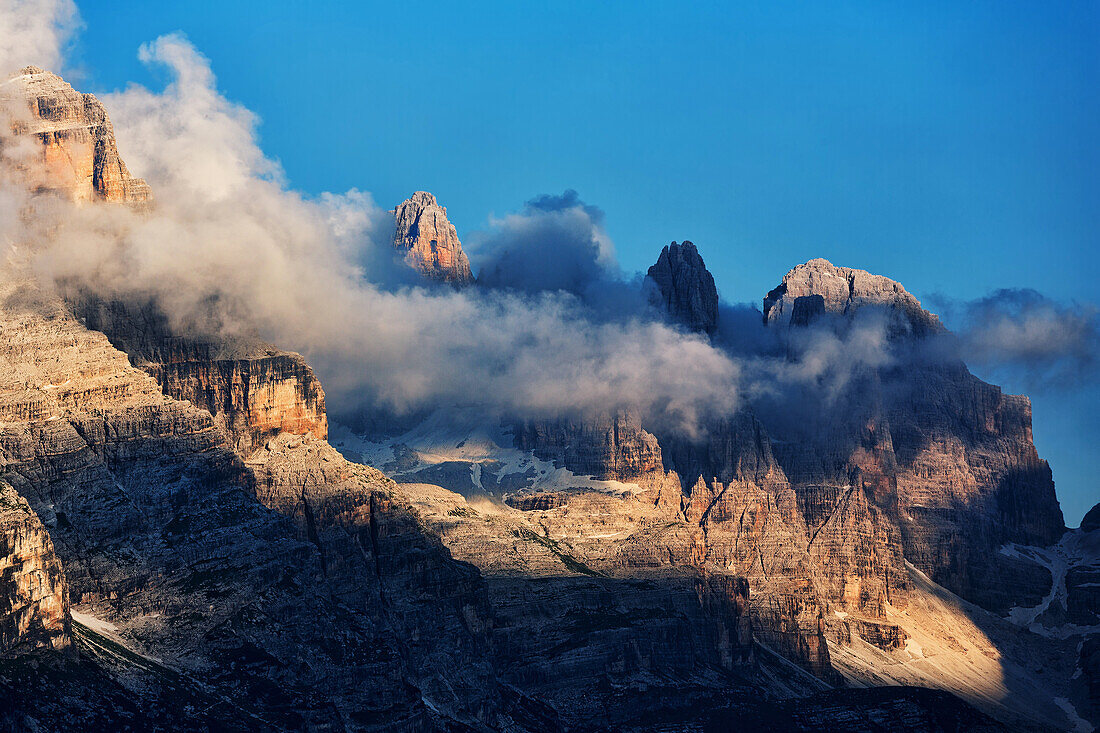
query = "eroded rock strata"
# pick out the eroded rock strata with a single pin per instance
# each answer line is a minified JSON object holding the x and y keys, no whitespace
{"x":227,"y":568}
{"x":78,"y":153}
{"x":254,"y":390}
{"x":242,"y":573}
{"x":34,"y":604}
{"x":927,"y":469}
{"x":429,"y":241}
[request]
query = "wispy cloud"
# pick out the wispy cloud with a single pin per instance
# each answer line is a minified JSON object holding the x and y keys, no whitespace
{"x":1028,"y":336}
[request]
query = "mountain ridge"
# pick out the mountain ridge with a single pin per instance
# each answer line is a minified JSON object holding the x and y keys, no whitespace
{"x":194,"y":502}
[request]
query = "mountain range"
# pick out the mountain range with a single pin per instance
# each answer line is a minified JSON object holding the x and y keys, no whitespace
{"x":189,"y":541}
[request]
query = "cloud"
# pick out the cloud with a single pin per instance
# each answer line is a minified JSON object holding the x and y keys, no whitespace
{"x":228,"y":249}
{"x":35,"y":33}
{"x":554,"y":327}
{"x":555,"y":243}
{"x":1027,"y":336}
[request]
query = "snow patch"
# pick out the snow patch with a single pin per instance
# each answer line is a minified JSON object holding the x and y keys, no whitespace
{"x":1075,"y":548}
{"x":1080,"y":725}
{"x":465,"y":435}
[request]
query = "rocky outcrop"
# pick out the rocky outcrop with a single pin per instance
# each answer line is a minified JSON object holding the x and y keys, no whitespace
{"x":680,"y":285}
{"x":429,"y":241}
{"x":845,"y":290}
{"x":613,"y":448}
{"x":969,"y":478}
{"x":948,"y":459}
{"x":294,"y":583}
{"x":34,"y":604}
{"x":611,"y":634}
{"x":1091,"y":520}
{"x":807,"y":309}
{"x":731,"y":449}
{"x":214,"y":541}
{"x":78,"y":153}
{"x":254,"y":390}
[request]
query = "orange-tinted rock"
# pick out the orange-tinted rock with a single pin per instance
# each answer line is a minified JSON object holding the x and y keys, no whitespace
{"x":429,"y":240}
{"x":253,"y":390}
{"x":34,"y":603}
{"x":78,"y":151}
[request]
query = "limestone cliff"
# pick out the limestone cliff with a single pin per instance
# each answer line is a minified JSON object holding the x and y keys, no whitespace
{"x":429,"y":241}
{"x":202,"y":519}
{"x":948,"y":458}
{"x":34,"y":604}
{"x":78,"y":153}
{"x":241,"y":574}
{"x":254,"y":390}
{"x":609,"y":448}
{"x":925,"y":466}
{"x":680,"y":284}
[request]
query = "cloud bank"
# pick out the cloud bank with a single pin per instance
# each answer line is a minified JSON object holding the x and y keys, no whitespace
{"x":35,"y":33}
{"x":1028,"y":337}
{"x":230,"y":250}
{"x":553,"y":328}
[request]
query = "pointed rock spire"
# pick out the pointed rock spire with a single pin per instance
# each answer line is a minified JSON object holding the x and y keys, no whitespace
{"x":680,"y":284}
{"x":429,"y":240}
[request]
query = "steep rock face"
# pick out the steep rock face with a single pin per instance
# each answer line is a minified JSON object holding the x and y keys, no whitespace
{"x":947,"y":458}
{"x":969,"y":478}
{"x":253,"y":390}
{"x":732,"y":449}
{"x":78,"y":151}
{"x":612,"y":448}
{"x":680,"y":284}
{"x":34,"y":604}
{"x":429,"y":240}
{"x":845,"y":290}
{"x":296,"y":584}
{"x":926,"y":465}
{"x":1091,"y":520}
{"x":611,"y":634}
{"x":804,"y":545}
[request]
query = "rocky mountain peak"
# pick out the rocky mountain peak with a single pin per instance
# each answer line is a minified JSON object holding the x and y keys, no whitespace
{"x":424,"y":198}
{"x":1091,"y":520}
{"x":843,"y":291}
{"x":79,"y":155}
{"x":680,"y":284}
{"x":429,"y":240}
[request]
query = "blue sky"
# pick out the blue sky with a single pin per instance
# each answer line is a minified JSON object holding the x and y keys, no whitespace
{"x":952,"y":148}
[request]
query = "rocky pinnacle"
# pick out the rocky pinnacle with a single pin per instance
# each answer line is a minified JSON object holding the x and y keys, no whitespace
{"x":684,"y":288}
{"x":429,"y":240}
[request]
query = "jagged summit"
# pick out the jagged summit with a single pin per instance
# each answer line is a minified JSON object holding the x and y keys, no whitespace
{"x":429,"y":240}
{"x":424,"y":198}
{"x":684,"y":288}
{"x":843,"y":290}
{"x":79,"y":154}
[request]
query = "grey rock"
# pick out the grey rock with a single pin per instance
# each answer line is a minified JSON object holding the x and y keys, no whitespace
{"x":680,"y":284}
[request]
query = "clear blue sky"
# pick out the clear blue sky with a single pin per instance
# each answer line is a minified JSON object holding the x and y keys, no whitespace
{"x":952,"y":146}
